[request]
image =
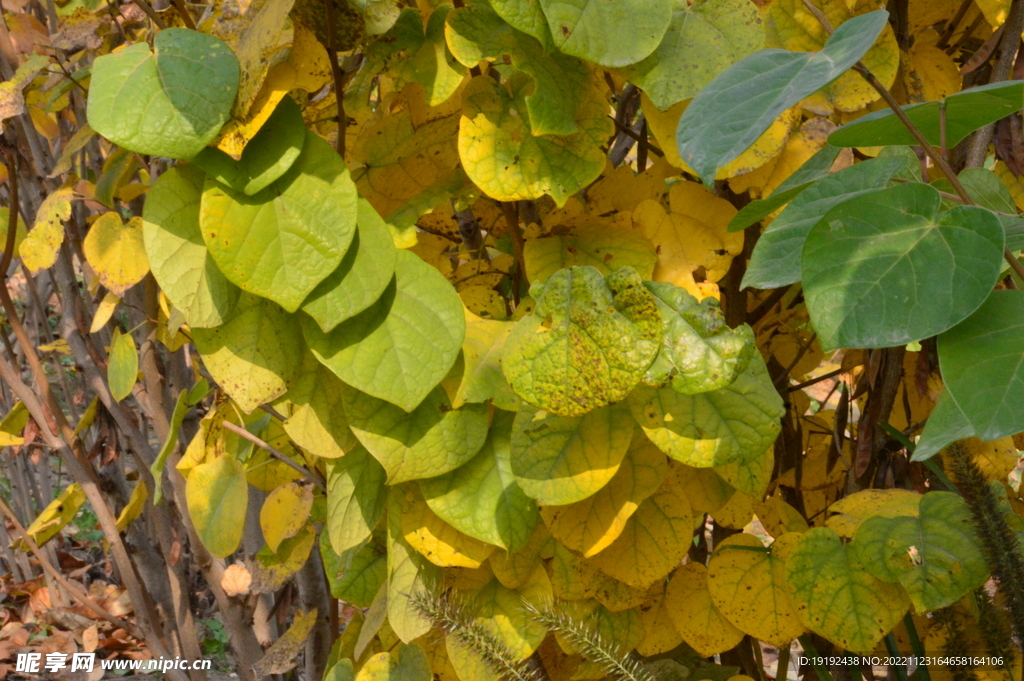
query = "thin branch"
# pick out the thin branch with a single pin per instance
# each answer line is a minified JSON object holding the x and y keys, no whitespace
{"x":511,"y":213}
{"x":953,"y":23}
{"x":151,"y":13}
{"x":339,"y":80}
{"x":629,"y":132}
{"x":276,"y":453}
{"x":186,"y":16}
{"x":816,"y":379}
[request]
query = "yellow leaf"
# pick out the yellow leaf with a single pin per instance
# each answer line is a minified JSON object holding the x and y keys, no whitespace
{"x":59,"y":345}
{"x":20,"y":231}
{"x":104,"y":311}
{"x":789,"y":25}
{"x":703,"y":487}
{"x":929,"y":73}
{"x":778,"y":517}
{"x":279,"y":657}
{"x":654,"y":540}
{"x":736,"y":513}
{"x":39,"y":249}
{"x":482,"y":377}
{"x":692,"y":234}
{"x":89,"y":416}
{"x":515,"y":569}
{"x":749,"y":589}
{"x":483,"y":301}
{"x":663,"y":125}
{"x":82,"y":136}
{"x":116,"y":251}
{"x":851,"y":511}
{"x":271,"y":570}
{"x":696,"y":618}
{"x":12,"y":424}
{"x":436,"y":540}
{"x":604,"y":248}
{"x":284,"y":513}
{"x":995,"y":11}
{"x":589,"y":526}
{"x":54,"y":517}
{"x":996,"y":459}
{"x":800,"y":146}
{"x":12,"y":102}
{"x":133,"y":509}
{"x":660,"y":634}
{"x":1014,"y":184}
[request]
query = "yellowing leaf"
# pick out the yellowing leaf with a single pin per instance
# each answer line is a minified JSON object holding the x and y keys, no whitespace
{"x":801,"y":145}
{"x":836,"y":597}
{"x":217,"y":495}
{"x":133,"y":509}
{"x":271,"y":570}
{"x":853,"y":510}
{"x":116,"y":252}
{"x":508,"y":162}
{"x":696,"y":618}
{"x":749,"y":589}
{"x":691,"y":235}
{"x":654,"y":540}
{"x":929,"y":73}
{"x":39,"y":249}
{"x":279,"y":657}
{"x":436,"y":540}
{"x":736,"y":513}
{"x":778,"y":517}
{"x":12,"y":424}
{"x":407,"y":663}
{"x":558,"y":460}
{"x":513,"y":569}
{"x":483,"y":301}
{"x":104,"y":311}
{"x":56,"y":515}
{"x":789,"y":25}
{"x":19,"y":234}
{"x":603,"y":248}
{"x":703,"y":487}
{"x":660,"y":633}
{"x":409,"y":575}
{"x":482,"y":352}
{"x":996,"y":459}
{"x":123,"y":365}
{"x":317,"y":421}
{"x":12,"y":102}
{"x":284,"y":513}
{"x":590,"y":525}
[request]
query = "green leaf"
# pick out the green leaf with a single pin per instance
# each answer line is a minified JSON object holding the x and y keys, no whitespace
{"x":936,"y":556}
{"x":735,"y":423}
{"x":526,"y":16}
{"x":734,"y":110}
{"x":981,"y":364}
{"x":177,"y":254}
{"x":266,"y":157}
{"x":401,"y":346}
{"x":887,"y":268}
{"x":283,"y":241}
{"x":945,"y":424}
{"x":407,"y":663}
{"x":702,"y":40}
{"x":255,"y":354}
{"x":409,"y":575}
{"x":356,"y":498}
{"x":559,"y":460}
{"x":606,"y":249}
{"x":341,"y":671}
{"x":362,"y":276}
{"x":169,"y":102}
{"x":984,"y":187}
{"x":837,"y":597}
{"x":966,"y":112}
{"x":356,"y":575}
{"x":607,"y":32}
{"x":561,"y":82}
{"x":481,"y":498}
{"x":775,"y":261}
{"x":431,"y":440}
{"x":123,"y":365}
{"x":816,"y":168}
{"x":506,"y":156}
{"x":699,"y":352}
{"x":317,"y":422}
{"x":217,"y":496}
{"x":588,"y":342}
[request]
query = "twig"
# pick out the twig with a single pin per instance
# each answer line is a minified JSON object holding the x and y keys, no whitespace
{"x":276,"y":453}
{"x":339,"y":81}
{"x":629,"y":132}
{"x":953,"y":23}
{"x":73,"y":589}
{"x":186,"y":16}
{"x":511,"y":213}
{"x":151,"y":13}
{"x":817,"y":379}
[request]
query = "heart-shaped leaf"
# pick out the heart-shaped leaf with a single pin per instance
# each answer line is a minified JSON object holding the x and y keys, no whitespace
{"x":171,"y":101}
{"x":888,"y":268}
{"x":738,"y":106}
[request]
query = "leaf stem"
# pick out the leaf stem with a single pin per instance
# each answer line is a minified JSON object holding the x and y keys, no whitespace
{"x":276,"y":453}
{"x":339,"y":81}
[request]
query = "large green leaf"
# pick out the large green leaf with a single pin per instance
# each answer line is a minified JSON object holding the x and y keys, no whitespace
{"x":283,"y":241}
{"x":888,"y":268}
{"x":317,"y":421}
{"x":965,"y":112}
{"x":936,"y":555}
{"x":217,"y":496}
{"x":177,"y":253}
{"x":356,"y":498}
{"x":982,"y":361}
{"x":526,"y":16}
{"x":837,"y":597}
{"x":607,"y":32}
{"x":775,"y":261}
{"x":945,"y":424}
{"x":254,"y":355}
{"x":266,"y":157}
{"x":400,"y":347}
{"x":431,"y":440}
{"x":356,"y":575}
{"x":407,"y":663}
{"x":361,"y":277}
{"x":477,"y":32}
{"x":702,"y":40}
{"x":699,"y":352}
{"x":588,"y":342}
{"x":559,"y":460}
{"x":816,"y":168}
{"x":728,"y":115}
{"x":481,"y":498}
{"x":735,"y":423}
{"x":171,"y":101}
